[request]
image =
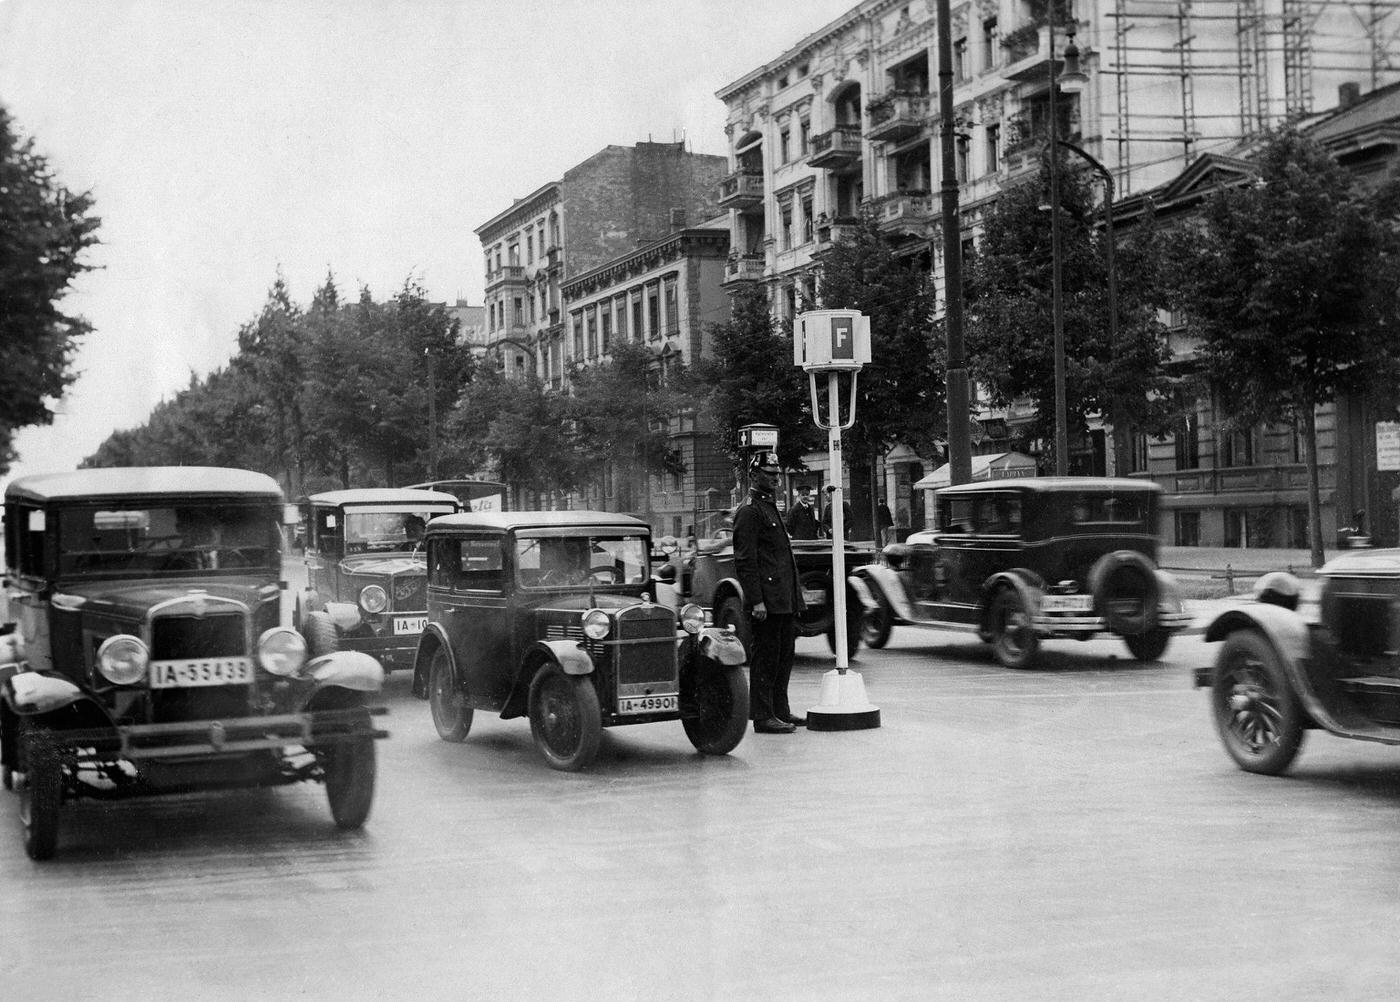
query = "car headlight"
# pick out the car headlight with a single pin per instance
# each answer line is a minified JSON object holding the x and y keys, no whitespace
{"x":282,"y":651}
{"x":373,"y":598}
{"x":596,"y":624}
{"x":123,"y":659}
{"x":692,"y":618}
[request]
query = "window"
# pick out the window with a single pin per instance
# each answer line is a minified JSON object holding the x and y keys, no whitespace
{"x":518,"y":317}
{"x":804,"y":136}
{"x":807,"y":219}
{"x":1237,"y":448}
{"x":784,"y":143}
{"x":654,"y":311}
{"x":1137,"y":452}
{"x":637,"y":326}
{"x":1187,"y":528}
{"x":991,"y":41}
{"x":960,"y":68}
{"x":1188,"y":439}
{"x":590,"y":323}
{"x":960,"y":164}
{"x":993,"y":150}
{"x":578,"y":336}
{"x":785,"y":227}
{"x":620,"y":307}
{"x":673,"y":312}
{"x":605,"y":325}
{"x":513,"y":253}
{"x":529,"y":248}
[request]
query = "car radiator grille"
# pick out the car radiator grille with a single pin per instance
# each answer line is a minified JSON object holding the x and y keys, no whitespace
{"x":654,"y":658}
{"x":191,"y":637}
{"x":409,"y":593}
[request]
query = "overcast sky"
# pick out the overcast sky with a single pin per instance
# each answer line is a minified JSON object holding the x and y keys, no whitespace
{"x":224,"y":140}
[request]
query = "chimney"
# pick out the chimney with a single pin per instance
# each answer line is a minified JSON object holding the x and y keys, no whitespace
{"x":677,"y":219}
{"x":1349,"y":94}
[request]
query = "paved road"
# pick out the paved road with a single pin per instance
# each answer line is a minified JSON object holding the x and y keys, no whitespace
{"x":1071,"y":833}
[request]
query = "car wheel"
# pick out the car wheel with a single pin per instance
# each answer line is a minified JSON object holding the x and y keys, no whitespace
{"x":853,"y":627}
{"x":1256,"y":713}
{"x":349,"y":768}
{"x":565,"y":718}
{"x":451,"y":716}
{"x":40,"y":797}
{"x":1125,"y":592}
{"x":1148,"y":646}
{"x":731,"y":614}
{"x":718,"y":714}
{"x":1014,"y":641}
{"x":321,"y":635}
{"x":876,"y":623}
{"x":821,"y":618}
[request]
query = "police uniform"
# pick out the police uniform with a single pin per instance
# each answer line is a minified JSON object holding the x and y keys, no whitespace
{"x":767,"y":572}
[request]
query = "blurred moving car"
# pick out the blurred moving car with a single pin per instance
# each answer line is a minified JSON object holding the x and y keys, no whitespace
{"x":148,"y":654}
{"x":552,"y":615}
{"x":1280,"y":672}
{"x":1026,"y":560}
{"x":366,"y":569}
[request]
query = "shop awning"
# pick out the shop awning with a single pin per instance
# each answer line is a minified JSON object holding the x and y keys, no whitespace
{"x":996,"y":466}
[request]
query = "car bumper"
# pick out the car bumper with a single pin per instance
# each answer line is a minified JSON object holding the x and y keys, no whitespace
{"x":391,"y":652}
{"x":1068,"y":624}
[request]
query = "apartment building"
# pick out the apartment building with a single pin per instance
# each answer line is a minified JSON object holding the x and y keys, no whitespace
{"x":606,"y":206}
{"x":847,"y":122}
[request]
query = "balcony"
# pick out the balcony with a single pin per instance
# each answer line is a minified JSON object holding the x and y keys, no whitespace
{"x":554,"y":258}
{"x":897,"y":116}
{"x":832,"y":231}
{"x":744,"y":268}
{"x":1028,"y":53}
{"x":741,"y":190}
{"x":837,"y":149}
{"x":511,"y":274}
{"x":906,"y":212}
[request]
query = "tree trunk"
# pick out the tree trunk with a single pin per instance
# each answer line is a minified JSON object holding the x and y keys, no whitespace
{"x":1314,"y":489}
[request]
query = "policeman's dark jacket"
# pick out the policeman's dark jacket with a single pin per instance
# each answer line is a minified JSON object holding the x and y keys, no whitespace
{"x":763,"y":556}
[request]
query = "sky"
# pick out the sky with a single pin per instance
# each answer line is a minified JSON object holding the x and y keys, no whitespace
{"x":226,"y":142}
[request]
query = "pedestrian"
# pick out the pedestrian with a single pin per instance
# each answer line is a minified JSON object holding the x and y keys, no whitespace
{"x":884,"y":522}
{"x":802,"y":520}
{"x":767,"y":572}
{"x":845,"y":515}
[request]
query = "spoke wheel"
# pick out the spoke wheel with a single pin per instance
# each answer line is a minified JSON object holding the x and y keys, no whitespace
{"x":1148,"y":646}
{"x":40,"y":797}
{"x":875,"y":625}
{"x":1014,"y":641}
{"x":451,"y":715}
{"x":350,"y":768}
{"x":731,"y":613}
{"x":718,"y":714}
{"x":565,"y":718}
{"x":1256,"y":713}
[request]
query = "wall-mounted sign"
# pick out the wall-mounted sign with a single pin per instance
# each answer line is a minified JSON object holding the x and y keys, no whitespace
{"x":1388,"y":445}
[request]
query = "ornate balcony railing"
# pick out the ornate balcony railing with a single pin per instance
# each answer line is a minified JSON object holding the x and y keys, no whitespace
{"x":836,"y":148}
{"x":897,"y":115}
{"x":744,"y":268}
{"x":741,"y":190}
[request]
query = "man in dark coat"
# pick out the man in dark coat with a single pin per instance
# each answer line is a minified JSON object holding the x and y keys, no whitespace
{"x":802,"y":520}
{"x":767,"y":572}
{"x":846,"y":519}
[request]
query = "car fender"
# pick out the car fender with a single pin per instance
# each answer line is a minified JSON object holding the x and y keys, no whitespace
{"x":1027,"y":584}
{"x":1285,"y":629}
{"x":432,"y":637}
{"x":1168,"y":592}
{"x":345,"y":615}
{"x":726,"y":588}
{"x":347,"y":669}
{"x":32,"y":694}
{"x":721,"y":646}
{"x":569,"y":654}
{"x":862,"y":592}
{"x":885,"y":585}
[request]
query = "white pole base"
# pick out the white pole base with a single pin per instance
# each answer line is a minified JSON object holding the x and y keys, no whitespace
{"x":842,"y":705}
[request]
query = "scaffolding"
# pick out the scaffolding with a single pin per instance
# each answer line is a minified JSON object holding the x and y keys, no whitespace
{"x":1194,"y":75}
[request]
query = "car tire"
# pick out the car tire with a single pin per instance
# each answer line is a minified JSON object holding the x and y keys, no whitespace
{"x":1125,"y":590}
{"x":41,"y":796}
{"x":321,"y":635}
{"x":718,"y":714}
{"x":350,"y":768}
{"x":854,"y":616}
{"x":1014,"y":641}
{"x":1149,"y":646}
{"x":451,"y":716}
{"x":565,"y":719}
{"x":812,"y":622}
{"x":731,"y":612}
{"x":1259,"y":719}
{"x":876,"y":623}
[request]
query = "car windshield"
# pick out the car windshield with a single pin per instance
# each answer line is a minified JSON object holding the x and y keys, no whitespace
{"x":555,"y":561}
{"x":388,"y":528}
{"x":168,"y":538}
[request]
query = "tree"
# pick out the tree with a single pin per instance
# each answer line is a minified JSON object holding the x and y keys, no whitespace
{"x":750,"y":379}
{"x":900,"y":393}
{"x":1010,"y":321}
{"x":44,"y":231}
{"x":1293,"y":286}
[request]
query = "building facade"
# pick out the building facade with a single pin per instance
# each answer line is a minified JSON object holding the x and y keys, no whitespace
{"x":847,"y":123}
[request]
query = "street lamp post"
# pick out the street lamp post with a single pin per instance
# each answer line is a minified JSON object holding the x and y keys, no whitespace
{"x":1056,"y":292}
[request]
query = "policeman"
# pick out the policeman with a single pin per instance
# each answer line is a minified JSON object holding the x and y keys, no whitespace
{"x":768,"y":574}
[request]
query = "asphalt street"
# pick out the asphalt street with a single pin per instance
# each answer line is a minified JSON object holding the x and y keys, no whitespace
{"x":1074,"y":832}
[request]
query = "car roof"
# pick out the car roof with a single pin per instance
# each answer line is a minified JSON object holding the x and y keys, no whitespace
{"x":143,"y":480}
{"x":380,"y":495}
{"x":1052,"y":485}
{"x":502,"y":521}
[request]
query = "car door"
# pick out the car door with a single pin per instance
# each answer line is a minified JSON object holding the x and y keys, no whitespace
{"x":468,"y":597}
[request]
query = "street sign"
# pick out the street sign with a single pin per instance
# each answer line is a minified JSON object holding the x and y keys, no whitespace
{"x":758,"y":436}
{"x":1388,"y":445}
{"x":831,"y":340}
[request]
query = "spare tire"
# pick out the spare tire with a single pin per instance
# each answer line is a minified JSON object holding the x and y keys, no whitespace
{"x":1124,"y":586}
{"x":816,"y":619}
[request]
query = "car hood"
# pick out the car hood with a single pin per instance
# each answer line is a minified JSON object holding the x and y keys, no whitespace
{"x":583,"y":601}
{"x":134,"y":598}
{"x":394,"y":564}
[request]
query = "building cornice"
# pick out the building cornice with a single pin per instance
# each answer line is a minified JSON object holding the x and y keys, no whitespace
{"x":673,"y":247}
{"x":522,"y":209}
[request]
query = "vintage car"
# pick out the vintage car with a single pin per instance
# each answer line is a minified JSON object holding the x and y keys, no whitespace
{"x":552,"y":615}
{"x":1284,"y":668}
{"x":147,"y":653}
{"x":705,"y":575}
{"x":365,"y":568}
{"x":1025,"y":560}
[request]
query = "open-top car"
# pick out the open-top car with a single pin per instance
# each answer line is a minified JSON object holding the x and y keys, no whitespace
{"x":147,"y":652}
{"x":552,"y":615}
{"x":366,"y":569}
{"x":1283,"y":668}
{"x":1025,"y":560}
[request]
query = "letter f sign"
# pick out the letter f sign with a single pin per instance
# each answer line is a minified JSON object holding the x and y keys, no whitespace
{"x":843,"y":342}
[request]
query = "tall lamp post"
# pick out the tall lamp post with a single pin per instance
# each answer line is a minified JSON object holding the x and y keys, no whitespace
{"x":1056,"y":293}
